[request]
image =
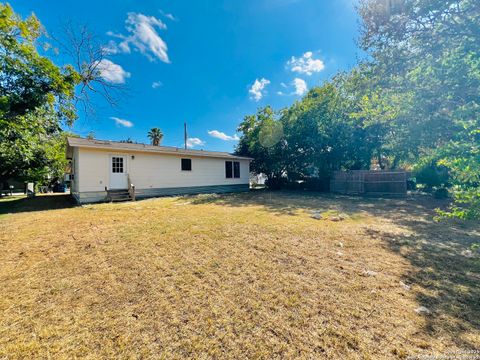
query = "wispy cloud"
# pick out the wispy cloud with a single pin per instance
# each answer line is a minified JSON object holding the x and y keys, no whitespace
{"x":297,"y":87}
{"x":192,"y":142}
{"x":169,"y":16}
{"x":142,"y":37}
{"x":257,"y":90}
{"x":222,"y":136}
{"x":112,"y":72}
{"x":111,"y":48}
{"x":156,"y":84}
{"x":306,"y":64}
{"x":122,"y":122}
{"x":300,"y":86}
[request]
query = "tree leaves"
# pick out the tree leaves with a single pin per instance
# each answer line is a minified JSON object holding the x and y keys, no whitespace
{"x":35,"y":97}
{"x":414,"y":101}
{"x":430,"y":50}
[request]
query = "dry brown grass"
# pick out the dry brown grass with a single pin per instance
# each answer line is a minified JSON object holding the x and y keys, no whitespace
{"x":235,"y":276}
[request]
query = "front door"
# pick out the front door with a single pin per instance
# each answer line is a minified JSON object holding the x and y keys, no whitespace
{"x":118,"y":172}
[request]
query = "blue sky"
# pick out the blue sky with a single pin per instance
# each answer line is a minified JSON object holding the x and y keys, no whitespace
{"x":208,"y":63}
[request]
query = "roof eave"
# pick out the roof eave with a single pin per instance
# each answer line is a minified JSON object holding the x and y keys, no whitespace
{"x":71,"y":144}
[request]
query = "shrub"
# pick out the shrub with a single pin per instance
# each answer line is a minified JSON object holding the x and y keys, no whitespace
{"x":411,"y":184}
{"x":317,"y":184}
{"x":276,"y":183}
{"x":432,"y":175}
{"x":441,"y":193}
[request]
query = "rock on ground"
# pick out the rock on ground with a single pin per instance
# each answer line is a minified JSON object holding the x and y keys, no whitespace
{"x":423,"y":310}
{"x":370,"y":273}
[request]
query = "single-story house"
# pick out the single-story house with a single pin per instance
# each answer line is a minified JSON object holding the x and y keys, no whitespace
{"x":101,"y":169}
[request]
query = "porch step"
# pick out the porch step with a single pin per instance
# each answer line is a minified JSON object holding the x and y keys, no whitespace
{"x":118,"y":195}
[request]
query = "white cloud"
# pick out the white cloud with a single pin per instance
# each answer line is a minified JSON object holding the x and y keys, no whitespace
{"x":306,"y":64}
{"x":156,"y":84}
{"x":222,"y":136}
{"x":300,"y":86}
{"x":257,"y":90}
{"x":122,"y":122}
{"x":297,"y":87}
{"x":111,"y":48}
{"x":168,"y":16}
{"x":112,"y":72}
{"x":143,"y":37}
{"x":192,"y":142}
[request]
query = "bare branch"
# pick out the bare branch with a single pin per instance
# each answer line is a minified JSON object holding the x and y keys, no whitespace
{"x":86,"y":53}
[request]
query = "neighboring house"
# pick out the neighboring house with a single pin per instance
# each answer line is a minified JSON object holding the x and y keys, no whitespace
{"x":100,"y":168}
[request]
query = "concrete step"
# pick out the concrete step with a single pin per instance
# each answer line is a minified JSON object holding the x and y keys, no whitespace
{"x":126,"y":193}
{"x":115,"y":199}
{"x":118,"y":195}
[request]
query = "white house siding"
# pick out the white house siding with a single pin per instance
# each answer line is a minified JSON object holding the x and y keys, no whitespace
{"x":164,"y":171}
{"x":94,"y":167}
{"x":155,"y":174}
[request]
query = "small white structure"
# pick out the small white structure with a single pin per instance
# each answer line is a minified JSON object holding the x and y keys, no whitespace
{"x":102,"y":167}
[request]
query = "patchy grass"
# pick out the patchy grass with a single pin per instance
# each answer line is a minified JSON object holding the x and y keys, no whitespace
{"x":235,"y":276}
{"x":5,"y":198}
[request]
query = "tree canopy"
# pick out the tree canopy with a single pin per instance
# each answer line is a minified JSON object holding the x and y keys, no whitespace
{"x":426,"y":53}
{"x":413,"y":103}
{"x":36,"y":97}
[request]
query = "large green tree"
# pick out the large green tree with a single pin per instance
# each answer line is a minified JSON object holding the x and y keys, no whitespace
{"x":28,"y":80}
{"x":327,"y":130}
{"x":36,"y":96}
{"x":321,"y":136}
{"x":427,"y":54}
{"x":263,"y":139}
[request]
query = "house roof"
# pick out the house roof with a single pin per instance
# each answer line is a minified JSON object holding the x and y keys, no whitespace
{"x":120,"y":146}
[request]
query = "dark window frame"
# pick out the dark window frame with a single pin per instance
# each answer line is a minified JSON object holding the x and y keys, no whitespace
{"x":236,"y":169}
{"x":118,"y":163}
{"x":228,"y":169}
{"x":182,"y":162}
{"x":232,"y":169}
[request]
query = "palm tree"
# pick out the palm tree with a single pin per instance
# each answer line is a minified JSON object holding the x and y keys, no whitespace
{"x":156,"y":136}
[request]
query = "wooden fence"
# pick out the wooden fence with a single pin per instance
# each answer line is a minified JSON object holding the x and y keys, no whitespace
{"x":369,"y":182}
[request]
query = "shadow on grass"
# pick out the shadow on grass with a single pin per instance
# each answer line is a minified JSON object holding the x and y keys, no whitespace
{"x":37,"y":203}
{"x":278,"y":202}
{"x":289,"y":202}
{"x":445,"y":275}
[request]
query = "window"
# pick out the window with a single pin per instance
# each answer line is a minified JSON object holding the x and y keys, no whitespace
{"x":236,"y":169}
{"x":232,"y":169}
{"x":228,"y":169}
{"x":117,"y":164}
{"x":186,"y":164}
